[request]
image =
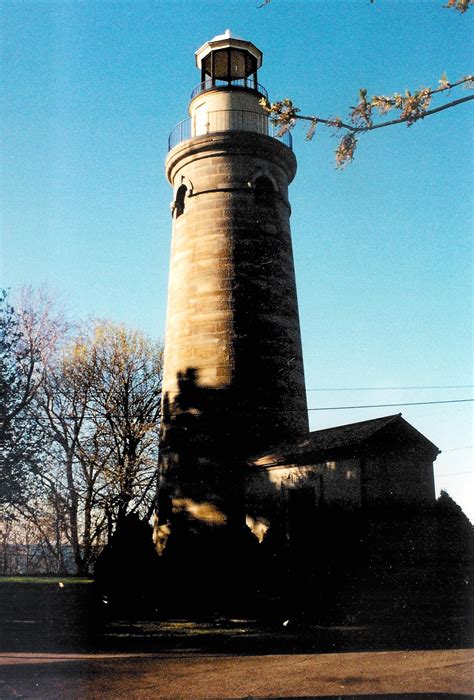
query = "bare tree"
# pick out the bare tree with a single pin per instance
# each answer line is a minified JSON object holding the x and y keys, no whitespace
{"x":79,"y":421}
{"x":30,"y":332}
{"x":125,"y":372}
{"x":101,"y":406}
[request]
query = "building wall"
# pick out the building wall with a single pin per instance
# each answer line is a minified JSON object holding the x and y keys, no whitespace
{"x":334,"y":482}
{"x":402,"y":475}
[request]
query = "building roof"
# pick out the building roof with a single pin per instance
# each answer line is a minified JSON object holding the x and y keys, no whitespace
{"x":350,"y":434}
{"x":348,"y":438}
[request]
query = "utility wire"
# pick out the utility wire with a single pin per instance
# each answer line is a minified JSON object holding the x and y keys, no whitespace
{"x":393,"y":388}
{"x":340,"y":408}
{"x":374,"y":388}
{"x":453,"y":449}
{"x":388,"y":405}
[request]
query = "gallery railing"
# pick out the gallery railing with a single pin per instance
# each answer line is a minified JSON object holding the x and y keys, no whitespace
{"x":239,"y":83}
{"x":226,"y":120}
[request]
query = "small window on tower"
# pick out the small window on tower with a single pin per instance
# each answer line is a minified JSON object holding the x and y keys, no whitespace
{"x":264,"y":191}
{"x":179,"y":201}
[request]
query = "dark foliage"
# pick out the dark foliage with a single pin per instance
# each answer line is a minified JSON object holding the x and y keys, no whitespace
{"x":210,"y":571}
{"x":390,"y":562}
{"x":127,"y":571}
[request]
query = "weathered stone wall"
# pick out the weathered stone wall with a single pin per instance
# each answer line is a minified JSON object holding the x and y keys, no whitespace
{"x":278,"y":496}
{"x":335,"y":482}
{"x":232,"y":320}
{"x":388,"y":478}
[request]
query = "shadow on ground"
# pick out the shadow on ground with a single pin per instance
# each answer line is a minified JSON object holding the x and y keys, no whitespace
{"x":58,"y":617}
{"x":225,"y":636}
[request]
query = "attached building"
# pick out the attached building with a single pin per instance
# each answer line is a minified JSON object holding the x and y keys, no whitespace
{"x":379,"y":461}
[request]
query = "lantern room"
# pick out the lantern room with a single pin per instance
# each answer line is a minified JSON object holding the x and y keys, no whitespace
{"x":226,"y":61}
{"x":229,"y":96}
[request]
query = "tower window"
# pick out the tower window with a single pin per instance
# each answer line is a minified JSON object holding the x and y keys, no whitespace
{"x":179,"y":201}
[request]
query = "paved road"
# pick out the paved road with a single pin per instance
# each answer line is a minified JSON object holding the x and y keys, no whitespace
{"x":145,"y":676}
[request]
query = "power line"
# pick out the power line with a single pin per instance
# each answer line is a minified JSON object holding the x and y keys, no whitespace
{"x":393,"y":388}
{"x":336,"y":408}
{"x":388,"y":405}
{"x":453,"y":449}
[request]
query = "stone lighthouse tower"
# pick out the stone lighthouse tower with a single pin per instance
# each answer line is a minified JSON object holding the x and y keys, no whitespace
{"x":233,"y":372}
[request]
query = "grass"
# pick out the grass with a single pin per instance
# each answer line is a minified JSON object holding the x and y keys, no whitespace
{"x":39,"y":614}
{"x":44,"y":579}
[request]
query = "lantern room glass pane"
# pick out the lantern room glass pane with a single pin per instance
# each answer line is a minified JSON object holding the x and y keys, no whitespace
{"x":207,"y":66}
{"x":221,"y":65}
{"x":237,"y":64}
{"x":251,"y":64}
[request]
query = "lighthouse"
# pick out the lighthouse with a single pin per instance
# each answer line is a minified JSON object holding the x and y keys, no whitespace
{"x":233,"y":380}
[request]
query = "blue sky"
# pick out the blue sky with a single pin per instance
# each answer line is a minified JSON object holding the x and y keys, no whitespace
{"x":383,"y":250}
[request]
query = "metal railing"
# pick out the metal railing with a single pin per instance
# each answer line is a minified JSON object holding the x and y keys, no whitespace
{"x":181,"y":132}
{"x":226,"y":120}
{"x":238,"y":83}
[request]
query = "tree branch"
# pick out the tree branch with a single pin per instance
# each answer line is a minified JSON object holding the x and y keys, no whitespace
{"x":412,"y":108}
{"x":338,"y":124}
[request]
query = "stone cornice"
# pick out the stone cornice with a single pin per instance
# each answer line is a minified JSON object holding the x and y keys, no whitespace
{"x":242,"y":143}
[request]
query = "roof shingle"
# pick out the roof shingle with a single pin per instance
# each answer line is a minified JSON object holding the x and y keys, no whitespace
{"x":320,"y":442}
